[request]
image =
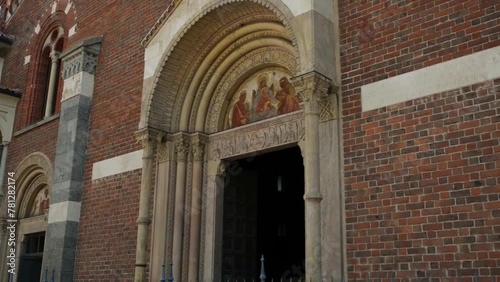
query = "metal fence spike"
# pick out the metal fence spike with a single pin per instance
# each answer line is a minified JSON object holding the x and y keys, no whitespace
{"x":46,"y":274}
{"x":171,"y":275}
{"x":163,"y":276}
{"x":262,"y":271}
{"x":392,"y":278}
{"x":476,"y":278}
{"x":460,"y":276}
{"x":53,"y":275}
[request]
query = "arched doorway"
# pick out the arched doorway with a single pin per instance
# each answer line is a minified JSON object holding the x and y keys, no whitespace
{"x":32,"y":203}
{"x":228,"y":88}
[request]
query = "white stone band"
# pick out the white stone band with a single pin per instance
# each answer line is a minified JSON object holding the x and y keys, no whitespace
{"x":471,"y":69}
{"x":116,"y":165}
{"x":65,"y":211}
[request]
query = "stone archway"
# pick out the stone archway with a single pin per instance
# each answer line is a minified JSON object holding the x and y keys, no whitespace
{"x":184,"y":113}
{"x":34,"y":178}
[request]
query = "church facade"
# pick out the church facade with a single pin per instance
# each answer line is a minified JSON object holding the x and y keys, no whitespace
{"x":322,"y":139}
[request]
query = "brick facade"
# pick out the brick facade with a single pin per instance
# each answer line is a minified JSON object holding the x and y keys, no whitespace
{"x":421,"y":177}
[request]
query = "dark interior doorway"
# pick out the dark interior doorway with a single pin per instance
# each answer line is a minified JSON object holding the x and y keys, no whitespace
{"x":30,"y":267}
{"x":264,"y":215}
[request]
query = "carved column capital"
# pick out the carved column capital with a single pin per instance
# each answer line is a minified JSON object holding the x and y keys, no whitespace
{"x":182,"y":149}
{"x":148,"y":138}
{"x":198,"y":143}
{"x":311,"y":88}
{"x":54,"y":56}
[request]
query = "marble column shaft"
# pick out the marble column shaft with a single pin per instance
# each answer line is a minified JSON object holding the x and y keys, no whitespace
{"x":148,"y":141}
{"x":182,"y":150}
{"x":311,"y":87}
{"x":195,"y":222}
{"x":52,"y":91}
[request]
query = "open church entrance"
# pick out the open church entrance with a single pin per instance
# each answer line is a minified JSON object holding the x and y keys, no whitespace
{"x":264,"y":215}
{"x":30,"y":267}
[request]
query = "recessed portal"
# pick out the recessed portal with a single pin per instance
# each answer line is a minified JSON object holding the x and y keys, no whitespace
{"x":264,"y":215}
{"x":31,"y":260}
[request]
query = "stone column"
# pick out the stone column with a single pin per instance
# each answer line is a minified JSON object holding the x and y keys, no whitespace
{"x":54,"y":76}
{"x":311,"y":88}
{"x":71,"y":150}
{"x":148,"y":139}
{"x":181,"y":150}
{"x":161,"y":238}
{"x":195,"y":222}
{"x":213,"y":221}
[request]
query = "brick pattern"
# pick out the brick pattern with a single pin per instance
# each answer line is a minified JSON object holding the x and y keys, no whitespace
{"x":421,"y":177}
{"x":106,"y":247}
{"x":382,"y":39}
{"x":422,"y":186}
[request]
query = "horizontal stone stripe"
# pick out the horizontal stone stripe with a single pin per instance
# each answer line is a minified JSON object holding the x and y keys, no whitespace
{"x":467,"y":70}
{"x":64,"y":211}
{"x":116,"y":165}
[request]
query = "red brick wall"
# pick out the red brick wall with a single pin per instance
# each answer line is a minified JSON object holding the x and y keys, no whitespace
{"x":107,"y":235}
{"x":108,"y":228}
{"x":421,"y":177}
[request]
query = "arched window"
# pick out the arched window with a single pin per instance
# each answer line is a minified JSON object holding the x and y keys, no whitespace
{"x":48,"y":81}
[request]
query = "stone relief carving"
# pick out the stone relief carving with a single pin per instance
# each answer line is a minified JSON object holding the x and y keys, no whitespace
{"x":80,"y":61}
{"x":215,"y":65}
{"x":26,"y":207}
{"x":328,"y":108}
{"x":268,"y":134}
{"x":313,"y":87}
{"x":163,"y":152}
{"x":172,"y":72}
{"x":258,"y":57}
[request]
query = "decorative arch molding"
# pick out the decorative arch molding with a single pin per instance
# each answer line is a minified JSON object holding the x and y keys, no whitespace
{"x":249,"y":64}
{"x":228,"y":22}
{"x":33,"y":172}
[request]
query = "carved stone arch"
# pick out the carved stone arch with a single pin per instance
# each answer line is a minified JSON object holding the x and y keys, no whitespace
{"x":182,"y":60}
{"x":263,"y":58}
{"x":32,"y":173}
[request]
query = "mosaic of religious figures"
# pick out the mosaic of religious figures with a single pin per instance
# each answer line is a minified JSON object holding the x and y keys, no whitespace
{"x":41,"y":202}
{"x":264,"y":95}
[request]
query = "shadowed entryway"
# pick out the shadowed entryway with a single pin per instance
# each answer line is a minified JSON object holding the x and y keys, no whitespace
{"x":264,"y":215}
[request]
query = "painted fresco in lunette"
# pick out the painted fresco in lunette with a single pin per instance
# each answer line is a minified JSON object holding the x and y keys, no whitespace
{"x":264,"y":95}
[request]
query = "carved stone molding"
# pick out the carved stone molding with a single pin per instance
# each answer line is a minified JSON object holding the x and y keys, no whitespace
{"x":216,"y":167}
{"x":271,"y":55}
{"x":181,"y":149}
{"x":311,"y":88}
{"x":198,"y":147}
{"x":267,"y":134}
{"x":164,"y":152}
{"x":149,"y":137}
{"x":36,"y":185}
{"x":251,"y":60}
{"x":328,"y":108}
{"x":54,"y":56}
{"x":81,"y":58}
